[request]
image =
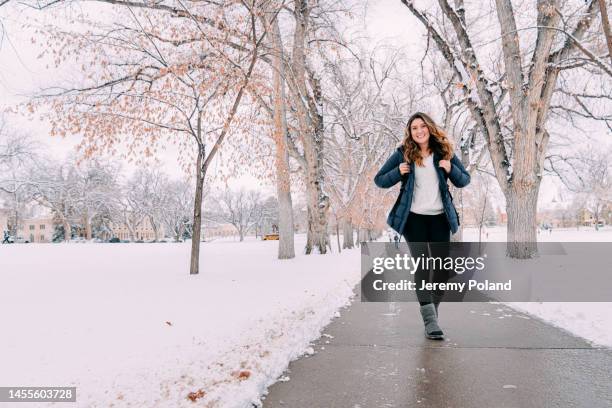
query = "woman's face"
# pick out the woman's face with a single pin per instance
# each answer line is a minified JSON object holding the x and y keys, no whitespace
{"x":419,"y":132}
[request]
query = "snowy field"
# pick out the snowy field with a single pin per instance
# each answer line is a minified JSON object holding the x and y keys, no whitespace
{"x":128,"y":326}
{"x":590,"y":320}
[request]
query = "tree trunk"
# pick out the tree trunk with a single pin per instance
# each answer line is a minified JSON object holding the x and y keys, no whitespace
{"x":317,"y":203}
{"x":286,"y":247}
{"x":155,"y":228}
{"x":347,"y":234}
{"x":67,"y":230}
{"x":338,"y":234}
{"x":87,"y":226}
{"x":309,"y":106}
{"x":522,"y":235}
{"x":194,"y":268}
{"x":14,"y":230}
{"x":130,"y":228}
{"x":605,"y":22}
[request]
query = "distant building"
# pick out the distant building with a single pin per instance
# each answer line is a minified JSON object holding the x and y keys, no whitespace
{"x":143,"y":232}
{"x":218,"y":230}
{"x":587,"y":218}
{"x":36,"y":229}
{"x":557,"y":218}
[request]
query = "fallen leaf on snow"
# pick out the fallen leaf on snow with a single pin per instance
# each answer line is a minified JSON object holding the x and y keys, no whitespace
{"x":241,"y":375}
{"x":194,"y":396}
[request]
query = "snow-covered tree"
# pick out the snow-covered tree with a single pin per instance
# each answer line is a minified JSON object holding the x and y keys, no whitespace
{"x":478,"y":208}
{"x":96,"y":183}
{"x":18,"y":154}
{"x":55,"y":185}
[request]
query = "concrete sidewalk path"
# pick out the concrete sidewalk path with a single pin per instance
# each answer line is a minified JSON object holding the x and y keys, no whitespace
{"x":375,"y":355}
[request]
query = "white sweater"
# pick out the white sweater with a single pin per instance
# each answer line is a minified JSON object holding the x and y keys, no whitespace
{"x":426,"y":198}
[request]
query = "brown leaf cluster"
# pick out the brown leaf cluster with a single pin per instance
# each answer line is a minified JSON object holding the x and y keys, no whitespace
{"x":194,"y":396}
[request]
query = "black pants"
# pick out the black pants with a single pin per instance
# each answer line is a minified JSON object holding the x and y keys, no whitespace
{"x":418,"y":232}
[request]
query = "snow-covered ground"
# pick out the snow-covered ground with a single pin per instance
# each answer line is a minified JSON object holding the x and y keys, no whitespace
{"x":128,"y":326}
{"x":590,"y":320}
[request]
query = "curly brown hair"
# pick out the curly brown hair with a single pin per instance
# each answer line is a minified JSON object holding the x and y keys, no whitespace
{"x":438,"y":141}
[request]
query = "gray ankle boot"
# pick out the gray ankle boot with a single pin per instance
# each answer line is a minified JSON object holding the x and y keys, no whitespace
{"x":432,"y":330}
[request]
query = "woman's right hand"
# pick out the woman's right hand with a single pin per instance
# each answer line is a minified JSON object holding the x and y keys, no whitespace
{"x":404,"y":168}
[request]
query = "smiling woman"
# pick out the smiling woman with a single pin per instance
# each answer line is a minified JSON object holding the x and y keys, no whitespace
{"x":424,"y":211}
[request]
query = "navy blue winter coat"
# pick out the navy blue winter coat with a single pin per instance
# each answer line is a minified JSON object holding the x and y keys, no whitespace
{"x":389,"y":175}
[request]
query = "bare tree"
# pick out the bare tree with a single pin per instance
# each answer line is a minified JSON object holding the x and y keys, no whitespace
{"x":360,"y":101}
{"x":240,"y":208}
{"x":132,"y":206}
{"x":54,"y":186}
{"x":523,"y":92}
{"x":155,"y":185}
{"x":297,"y":112}
{"x":593,"y":181}
{"x":267,"y":217}
{"x":19,"y":153}
{"x":176,"y":213}
{"x":479,"y":209}
{"x":605,"y":23}
{"x":313,"y":23}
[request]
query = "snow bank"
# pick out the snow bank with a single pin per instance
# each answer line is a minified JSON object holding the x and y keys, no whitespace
{"x":589,"y":320}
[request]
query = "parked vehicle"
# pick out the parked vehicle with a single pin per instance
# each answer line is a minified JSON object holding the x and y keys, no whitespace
{"x":270,"y":237}
{"x":114,"y":240}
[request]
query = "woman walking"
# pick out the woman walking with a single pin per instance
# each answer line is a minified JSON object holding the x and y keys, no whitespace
{"x":424,"y":211}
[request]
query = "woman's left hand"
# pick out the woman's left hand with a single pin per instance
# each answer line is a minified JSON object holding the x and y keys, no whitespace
{"x":446,"y":165}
